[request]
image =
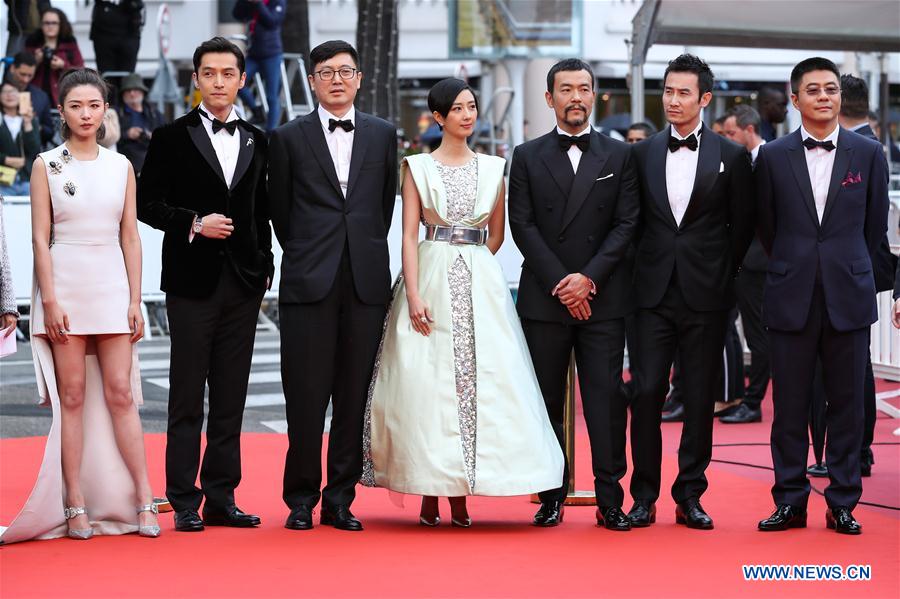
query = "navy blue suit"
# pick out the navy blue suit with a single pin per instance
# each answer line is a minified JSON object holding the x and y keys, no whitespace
{"x":819,"y":301}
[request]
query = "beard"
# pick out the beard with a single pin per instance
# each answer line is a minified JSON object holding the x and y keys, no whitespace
{"x":575,"y":121}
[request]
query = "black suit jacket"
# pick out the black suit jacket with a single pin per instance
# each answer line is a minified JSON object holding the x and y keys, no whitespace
{"x":181,"y":179}
{"x":708,"y":247}
{"x":312,"y":219}
{"x":838,"y":251}
{"x":565,"y":222}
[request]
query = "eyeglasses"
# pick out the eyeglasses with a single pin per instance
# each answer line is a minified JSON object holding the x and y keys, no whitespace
{"x":50,"y":23}
{"x":830,"y":90}
{"x":328,"y":74}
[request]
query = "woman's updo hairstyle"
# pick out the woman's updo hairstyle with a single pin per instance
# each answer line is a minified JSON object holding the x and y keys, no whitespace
{"x":74,"y":78}
{"x":442,"y":95}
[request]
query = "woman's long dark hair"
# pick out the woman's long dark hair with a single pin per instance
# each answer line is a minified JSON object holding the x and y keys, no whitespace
{"x":65,"y":30}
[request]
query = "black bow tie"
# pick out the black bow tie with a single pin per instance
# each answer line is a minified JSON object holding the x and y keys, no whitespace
{"x":689,"y":142}
{"x":218,"y":125}
{"x":810,"y":144}
{"x":346,"y":125}
{"x":567,"y":141}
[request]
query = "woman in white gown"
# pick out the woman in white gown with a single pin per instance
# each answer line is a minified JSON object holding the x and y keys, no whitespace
{"x":85,"y":321}
{"x":454,"y":406}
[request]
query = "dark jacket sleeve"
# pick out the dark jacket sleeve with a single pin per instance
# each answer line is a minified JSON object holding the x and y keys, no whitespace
{"x":261,"y":210}
{"x":877,"y":203}
{"x":31,"y":140}
{"x":243,"y":10}
{"x":389,"y":194}
{"x":539,"y":259}
{"x":279,"y":186}
{"x":742,"y":208}
{"x":765,"y":207}
{"x":897,"y":282}
{"x":272,"y":14}
{"x":155,"y":189}
{"x":624,"y":224}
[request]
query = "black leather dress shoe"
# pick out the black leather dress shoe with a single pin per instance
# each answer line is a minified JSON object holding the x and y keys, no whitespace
{"x":676,"y":415}
{"x":865,"y":461}
{"x":818,"y":470}
{"x":300,"y":518}
{"x":549,"y":514}
{"x":742,"y":414}
{"x":784,"y":517}
{"x":231,"y":516}
{"x":340,"y":517}
{"x":188,"y":521}
{"x":691,"y":514}
{"x":670,"y":403}
{"x":840,"y":519}
{"x":613,"y":518}
{"x":642,"y":514}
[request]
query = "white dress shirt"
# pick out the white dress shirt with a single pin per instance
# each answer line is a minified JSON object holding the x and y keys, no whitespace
{"x":14,"y":124}
{"x":340,"y":144}
{"x":681,"y":169}
{"x":227,"y":146}
{"x":574,"y":151}
{"x":820,"y":163}
{"x":755,"y":151}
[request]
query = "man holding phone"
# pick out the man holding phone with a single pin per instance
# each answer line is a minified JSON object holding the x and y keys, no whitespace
{"x":21,"y":73}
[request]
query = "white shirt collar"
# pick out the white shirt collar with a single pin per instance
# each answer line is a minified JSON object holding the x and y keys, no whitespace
{"x":583,"y":132}
{"x":695,"y":132}
{"x":832,"y":137}
{"x":324,"y":115}
{"x":232,"y":115}
{"x":755,"y":151}
{"x":859,"y":126}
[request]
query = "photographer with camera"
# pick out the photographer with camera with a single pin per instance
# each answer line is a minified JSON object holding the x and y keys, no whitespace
{"x":55,"y":51}
{"x":137,"y":120}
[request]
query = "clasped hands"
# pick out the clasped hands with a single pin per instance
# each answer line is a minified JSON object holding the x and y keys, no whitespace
{"x":575,"y":291}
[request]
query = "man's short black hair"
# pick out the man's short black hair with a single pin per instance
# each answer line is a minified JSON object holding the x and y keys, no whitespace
{"x":330,"y":49}
{"x":854,"y":97}
{"x":568,"y":64}
{"x":23,"y":57}
{"x":647,"y":128}
{"x":218,"y":45}
{"x":816,"y":63}
{"x":745,"y":116}
{"x":688,"y":63}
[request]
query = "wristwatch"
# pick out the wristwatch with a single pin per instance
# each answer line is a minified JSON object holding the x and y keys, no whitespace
{"x":198,"y":225}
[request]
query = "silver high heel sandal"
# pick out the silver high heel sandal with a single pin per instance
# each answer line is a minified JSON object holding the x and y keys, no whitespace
{"x":151,"y":530}
{"x":82,"y":534}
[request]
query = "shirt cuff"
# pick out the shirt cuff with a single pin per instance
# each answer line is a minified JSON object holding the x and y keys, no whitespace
{"x":191,"y":234}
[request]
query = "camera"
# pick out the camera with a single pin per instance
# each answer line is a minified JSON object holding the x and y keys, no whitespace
{"x":48,"y":53}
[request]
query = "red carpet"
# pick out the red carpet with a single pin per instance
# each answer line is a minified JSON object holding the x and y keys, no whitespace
{"x":501,"y":556}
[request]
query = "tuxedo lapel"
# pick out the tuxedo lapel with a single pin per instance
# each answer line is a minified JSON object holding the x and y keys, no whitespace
{"x":358,"y":152}
{"x":312,"y":128}
{"x":708,"y":162}
{"x":797,"y":158}
{"x":558,"y":164}
{"x":201,"y":141}
{"x":656,"y":173}
{"x":245,"y":155}
{"x":589,"y":167}
{"x":842,"y":158}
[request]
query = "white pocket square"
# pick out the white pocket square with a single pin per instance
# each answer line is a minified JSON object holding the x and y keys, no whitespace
{"x":721,"y":167}
{"x":606,"y":177}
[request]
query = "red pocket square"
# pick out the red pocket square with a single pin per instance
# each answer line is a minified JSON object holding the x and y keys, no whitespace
{"x":851,"y":179}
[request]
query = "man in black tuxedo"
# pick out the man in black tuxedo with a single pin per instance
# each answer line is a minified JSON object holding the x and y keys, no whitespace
{"x":203,"y":183}
{"x":823,"y":213}
{"x":697,"y":220}
{"x":573,"y":208}
{"x":332,"y":187}
{"x":742,"y":126}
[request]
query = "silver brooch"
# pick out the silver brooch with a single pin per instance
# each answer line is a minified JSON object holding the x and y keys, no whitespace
{"x":69,"y":188}
{"x":55,"y":167}
{"x":66,"y":157}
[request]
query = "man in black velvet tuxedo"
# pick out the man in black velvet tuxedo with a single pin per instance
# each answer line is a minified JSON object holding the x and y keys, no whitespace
{"x":203,"y":183}
{"x":332,"y":186}
{"x":697,"y":221}
{"x":823,"y":202}
{"x":573,"y":209}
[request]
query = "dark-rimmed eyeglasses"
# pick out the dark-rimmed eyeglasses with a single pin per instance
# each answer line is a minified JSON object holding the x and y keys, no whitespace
{"x":328,"y":74}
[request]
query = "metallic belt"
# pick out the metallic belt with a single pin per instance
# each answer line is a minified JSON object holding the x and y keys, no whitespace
{"x":456,"y":234}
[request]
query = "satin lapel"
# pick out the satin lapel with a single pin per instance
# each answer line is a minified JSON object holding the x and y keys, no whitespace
{"x":358,"y":152}
{"x":797,"y":158}
{"x":312,"y":128}
{"x":245,"y":155}
{"x":656,"y":173}
{"x":589,"y":168}
{"x":204,"y":146}
{"x":558,"y":164}
{"x":842,"y":158}
{"x":708,"y":163}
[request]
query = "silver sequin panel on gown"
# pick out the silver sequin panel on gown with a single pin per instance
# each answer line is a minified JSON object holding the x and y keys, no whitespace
{"x":460,"y":185}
